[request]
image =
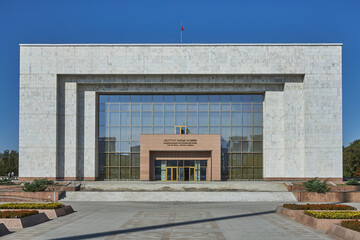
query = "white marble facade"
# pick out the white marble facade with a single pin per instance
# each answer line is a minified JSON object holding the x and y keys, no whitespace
{"x":302,"y":85}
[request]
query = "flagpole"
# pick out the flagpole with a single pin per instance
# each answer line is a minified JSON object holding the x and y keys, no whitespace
{"x":181,"y":31}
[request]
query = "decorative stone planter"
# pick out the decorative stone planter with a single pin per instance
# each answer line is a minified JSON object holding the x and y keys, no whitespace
{"x":328,"y":197}
{"x":3,"y":230}
{"x":19,"y":223}
{"x":343,"y":233}
{"x":320,"y":224}
{"x":288,"y":212}
{"x":50,"y":213}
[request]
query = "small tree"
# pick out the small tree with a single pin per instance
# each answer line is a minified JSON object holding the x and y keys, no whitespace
{"x":351,"y":159}
{"x":9,"y":162}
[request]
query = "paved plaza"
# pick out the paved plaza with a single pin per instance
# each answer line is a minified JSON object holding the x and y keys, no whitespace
{"x":121,"y":220}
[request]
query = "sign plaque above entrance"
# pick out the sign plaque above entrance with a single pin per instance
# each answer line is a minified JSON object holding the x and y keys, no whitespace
{"x":180,"y":142}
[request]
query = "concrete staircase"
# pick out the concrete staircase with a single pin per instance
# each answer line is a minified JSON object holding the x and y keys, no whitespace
{"x":239,"y":191}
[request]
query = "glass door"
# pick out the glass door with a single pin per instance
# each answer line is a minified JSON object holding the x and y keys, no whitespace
{"x":171,"y":174}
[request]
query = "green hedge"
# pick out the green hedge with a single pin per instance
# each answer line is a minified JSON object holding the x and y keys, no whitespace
{"x":31,"y":205}
{"x":333,"y":214}
{"x":318,"y":207}
{"x":17,"y":214}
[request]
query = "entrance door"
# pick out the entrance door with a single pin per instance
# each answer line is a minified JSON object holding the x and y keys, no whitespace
{"x":186,"y":173}
{"x":171,"y":173}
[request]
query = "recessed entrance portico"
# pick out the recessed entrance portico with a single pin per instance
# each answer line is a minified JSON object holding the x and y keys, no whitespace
{"x":165,"y":157}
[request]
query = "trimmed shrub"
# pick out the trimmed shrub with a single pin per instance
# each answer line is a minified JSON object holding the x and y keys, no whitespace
{"x":315,"y":185}
{"x":31,"y":205}
{"x":17,"y":214}
{"x":6,"y":181}
{"x":318,"y":207}
{"x":352,"y":181}
{"x":38,"y":185}
{"x":353,"y":225}
{"x":333,"y":214}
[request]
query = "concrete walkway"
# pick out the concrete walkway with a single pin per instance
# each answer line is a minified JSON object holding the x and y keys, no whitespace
{"x":121,"y":220}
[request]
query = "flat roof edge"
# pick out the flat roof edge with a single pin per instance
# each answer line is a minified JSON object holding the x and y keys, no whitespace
{"x":180,"y":44}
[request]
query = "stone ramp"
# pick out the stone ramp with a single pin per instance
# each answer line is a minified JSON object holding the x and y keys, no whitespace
{"x":181,"y":196}
{"x":229,"y":186}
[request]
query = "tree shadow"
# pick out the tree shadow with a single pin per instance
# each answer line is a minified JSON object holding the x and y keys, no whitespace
{"x":168,"y":225}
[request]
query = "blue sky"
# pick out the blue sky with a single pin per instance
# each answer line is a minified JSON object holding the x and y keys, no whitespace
{"x":206,"y":21}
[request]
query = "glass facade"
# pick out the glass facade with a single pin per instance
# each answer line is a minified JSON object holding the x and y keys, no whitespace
{"x":238,"y":118}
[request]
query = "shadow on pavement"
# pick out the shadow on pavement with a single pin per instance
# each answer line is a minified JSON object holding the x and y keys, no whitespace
{"x":168,"y":225}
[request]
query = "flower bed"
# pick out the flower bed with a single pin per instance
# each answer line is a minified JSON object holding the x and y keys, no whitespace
{"x":318,"y":207}
{"x":353,"y":225}
{"x":17,"y":214}
{"x":31,"y":205}
{"x":333,"y":214}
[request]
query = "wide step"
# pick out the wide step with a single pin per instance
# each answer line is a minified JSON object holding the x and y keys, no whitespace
{"x":180,"y":196}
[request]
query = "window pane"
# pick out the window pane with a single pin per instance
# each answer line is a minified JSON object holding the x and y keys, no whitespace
{"x":114,"y":118}
{"x":248,"y":173}
{"x":114,"y":173}
{"x":135,"y":159}
{"x":246,"y":98}
{"x":135,"y":118}
{"x":135,"y":133}
{"x":169,"y":130}
{"x":257,"y":146}
{"x":158,"y":98}
{"x":225,"y":107}
{"x":125,"y":173}
{"x":236,"y":118}
{"x":135,"y":173}
{"x":124,"y":146}
{"x":124,"y":133}
{"x":258,"y":133}
{"x":203,"y":98}
{"x":180,"y":98}
{"x":235,"y":146}
{"x":125,"y":118}
{"x":158,"y":118}
{"x":247,"y":134}
{"x":103,"y":118}
{"x":236,"y":133}
{"x":147,"y":130}
{"x":180,"y":107}
{"x":169,"y":118}
{"x":103,"y":132}
{"x":214,"y":130}
{"x":158,"y":130}
{"x":214,"y":119}
{"x":247,"y":146}
{"x":247,"y":107}
{"x":125,"y":160}
{"x":191,"y":98}
{"x":146,"y":99}
{"x":125,"y":98}
{"x":257,"y":98}
{"x":191,"y":118}
{"x":214,"y":107}
{"x":169,"y":99}
{"x":158,"y":107}
{"x":225,"y":133}
{"x":225,"y":98}
{"x":114,"y":107}
{"x":257,"y":107}
{"x":203,"y":130}
{"x":236,"y":107}
{"x":236,"y":160}
{"x":258,"y":161}
{"x":192,"y":107}
{"x":146,"y":118}
{"x":236,"y":98}
{"x":203,"y":107}
{"x":135,"y":107}
{"x":146,"y":107}
{"x":114,"y":133}
{"x":247,"y":160}
{"x":225,"y":119}
{"x":135,"y":99}
{"x":203,"y":118}
{"x":214,"y":98}
{"x":236,"y":173}
{"x":258,"y":120}
{"x":125,"y":107}
{"x":114,"y":159}
{"x":180,"y":118}
{"x":135,"y":146}
{"x":247,"y":119}
{"x":192,"y":130}
{"x":258,"y":173}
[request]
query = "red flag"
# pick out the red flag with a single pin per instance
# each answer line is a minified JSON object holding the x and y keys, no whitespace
{"x":182,"y":28}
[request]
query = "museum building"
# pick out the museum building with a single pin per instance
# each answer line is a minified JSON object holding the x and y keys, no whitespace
{"x":180,"y":112}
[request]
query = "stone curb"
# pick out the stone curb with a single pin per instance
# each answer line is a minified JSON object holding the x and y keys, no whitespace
{"x":20,"y":223}
{"x":343,"y":233}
